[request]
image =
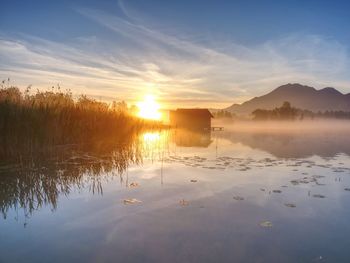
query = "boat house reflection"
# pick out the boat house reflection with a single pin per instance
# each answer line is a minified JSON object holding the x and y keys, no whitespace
{"x":192,"y":138}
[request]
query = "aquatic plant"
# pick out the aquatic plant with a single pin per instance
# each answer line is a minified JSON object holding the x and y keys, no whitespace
{"x":29,"y":120}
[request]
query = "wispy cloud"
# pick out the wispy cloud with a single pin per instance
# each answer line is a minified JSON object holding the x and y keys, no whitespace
{"x":136,"y":59}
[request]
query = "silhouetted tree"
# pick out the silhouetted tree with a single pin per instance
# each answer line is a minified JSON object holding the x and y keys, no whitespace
{"x":285,"y":112}
{"x":224,"y":114}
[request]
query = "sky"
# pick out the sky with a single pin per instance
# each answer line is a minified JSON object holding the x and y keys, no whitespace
{"x":187,"y":53}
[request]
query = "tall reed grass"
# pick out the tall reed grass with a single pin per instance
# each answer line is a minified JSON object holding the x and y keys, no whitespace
{"x":30,"y":119}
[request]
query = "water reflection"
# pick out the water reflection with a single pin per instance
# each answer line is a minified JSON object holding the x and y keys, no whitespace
{"x":154,"y":144}
{"x":192,"y":138}
{"x":30,"y":181}
{"x":236,"y":190}
{"x":293,"y":144}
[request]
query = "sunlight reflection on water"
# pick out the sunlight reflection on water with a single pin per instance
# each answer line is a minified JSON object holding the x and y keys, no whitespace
{"x":184,"y":195}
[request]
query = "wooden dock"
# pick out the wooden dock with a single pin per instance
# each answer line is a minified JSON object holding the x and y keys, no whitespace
{"x":214,"y":128}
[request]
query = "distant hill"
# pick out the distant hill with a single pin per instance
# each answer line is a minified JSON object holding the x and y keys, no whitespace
{"x":302,"y":97}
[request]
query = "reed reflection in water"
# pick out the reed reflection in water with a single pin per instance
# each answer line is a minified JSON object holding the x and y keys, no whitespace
{"x":186,"y":189}
{"x":29,"y":181}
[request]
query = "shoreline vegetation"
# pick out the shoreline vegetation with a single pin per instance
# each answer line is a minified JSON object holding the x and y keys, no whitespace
{"x":30,"y":120}
{"x":286,"y":112}
{"x":50,"y":141}
{"x":35,"y":121}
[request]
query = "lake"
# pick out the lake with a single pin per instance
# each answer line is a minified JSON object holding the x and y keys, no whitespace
{"x":181,"y":196}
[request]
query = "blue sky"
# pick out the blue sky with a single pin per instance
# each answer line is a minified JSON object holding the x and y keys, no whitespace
{"x":187,"y":53}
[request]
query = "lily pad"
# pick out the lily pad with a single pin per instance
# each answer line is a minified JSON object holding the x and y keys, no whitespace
{"x":131,"y":201}
{"x":319,"y":196}
{"x":290,"y":205}
{"x":134,"y":184}
{"x":238,"y":198}
{"x":318,"y":176}
{"x":294,"y":182}
{"x":183,"y":202}
{"x":265,"y":224}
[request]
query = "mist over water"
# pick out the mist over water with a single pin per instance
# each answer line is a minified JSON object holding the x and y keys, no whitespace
{"x":291,"y":138}
{"x":312,"y":126}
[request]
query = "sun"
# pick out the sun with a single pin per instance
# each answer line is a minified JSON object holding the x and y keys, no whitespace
{"x":149,"y":108}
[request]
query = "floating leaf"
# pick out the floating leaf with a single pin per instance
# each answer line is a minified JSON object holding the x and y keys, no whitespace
{"x":238,"y":198}
{"x":318,"y":176}
{"x":277,"y":191}
{"x":294,"y":182}
{"x":131,"y":201}
{"x":290,"y":205}
{"x":193,"y":181}
{"x":265,"y":224}
{"x":183,"y":202}
{"x":134,"y":185}
{"x":319,"y":196}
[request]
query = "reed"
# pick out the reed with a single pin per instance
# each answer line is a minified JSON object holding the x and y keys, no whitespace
{"x":51,"y":118}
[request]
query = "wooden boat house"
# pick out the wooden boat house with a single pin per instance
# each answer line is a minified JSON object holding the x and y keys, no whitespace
{"x":196,"y":119}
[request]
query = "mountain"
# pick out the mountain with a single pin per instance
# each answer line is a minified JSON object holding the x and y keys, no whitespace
{"x":300,"y":96}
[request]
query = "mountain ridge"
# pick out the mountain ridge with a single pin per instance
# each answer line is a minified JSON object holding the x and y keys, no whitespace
{"x":300,"y":96}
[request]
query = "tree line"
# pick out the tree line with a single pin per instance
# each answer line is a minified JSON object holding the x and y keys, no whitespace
{"x":223,"y":114}
{"x":287,"y":112}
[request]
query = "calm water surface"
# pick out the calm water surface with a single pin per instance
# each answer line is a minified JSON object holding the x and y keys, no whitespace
{"x":177,"y":196}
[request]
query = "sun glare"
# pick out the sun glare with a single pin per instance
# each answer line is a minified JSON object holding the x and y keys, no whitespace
{"x":149,"y":108}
